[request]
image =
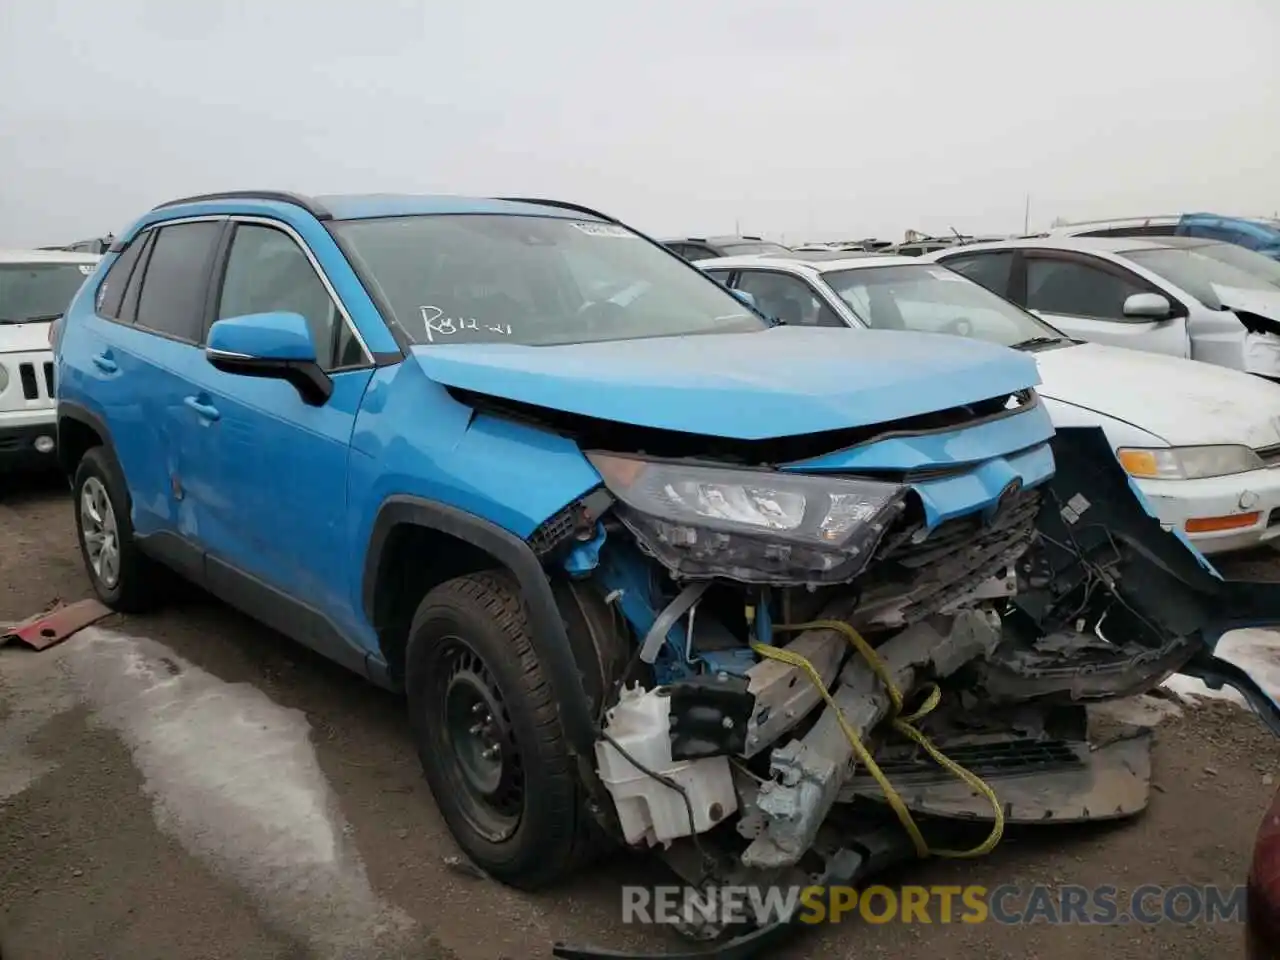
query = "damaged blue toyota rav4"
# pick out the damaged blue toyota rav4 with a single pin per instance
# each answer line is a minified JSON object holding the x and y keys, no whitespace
{"x":649,"y":568}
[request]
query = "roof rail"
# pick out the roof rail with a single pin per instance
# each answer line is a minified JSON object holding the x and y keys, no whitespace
{"x":317,"y":210}
{"x":561,"y":204}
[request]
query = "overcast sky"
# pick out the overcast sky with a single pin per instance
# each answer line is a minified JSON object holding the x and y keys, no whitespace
{"x":789,"y":117}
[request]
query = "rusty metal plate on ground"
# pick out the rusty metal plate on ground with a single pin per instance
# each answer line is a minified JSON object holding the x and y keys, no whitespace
{"x":53,"y":626}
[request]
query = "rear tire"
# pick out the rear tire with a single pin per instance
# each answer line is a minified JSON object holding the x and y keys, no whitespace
{"x":123,"y":577}
{"x":488,"y":734}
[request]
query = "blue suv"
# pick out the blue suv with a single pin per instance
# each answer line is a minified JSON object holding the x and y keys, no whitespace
{"x":606,"y":526}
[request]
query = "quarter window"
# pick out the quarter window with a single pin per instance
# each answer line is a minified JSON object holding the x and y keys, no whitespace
{"x":110,"y":294}
{"x":176,"y":279}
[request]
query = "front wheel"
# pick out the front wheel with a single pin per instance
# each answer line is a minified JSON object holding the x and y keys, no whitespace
{"x":488,"y":734}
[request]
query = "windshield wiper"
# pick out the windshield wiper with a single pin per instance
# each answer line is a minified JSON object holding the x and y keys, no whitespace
{"x":1037,"y":342}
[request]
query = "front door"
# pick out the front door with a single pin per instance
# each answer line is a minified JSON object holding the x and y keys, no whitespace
{"x":144,"y":337}
{"x":267,"y":473}
{"x":1084,"y":296}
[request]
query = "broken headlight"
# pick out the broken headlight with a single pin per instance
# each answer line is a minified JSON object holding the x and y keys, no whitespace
{"x":1187,"y":463}
{"x":757,"y":526}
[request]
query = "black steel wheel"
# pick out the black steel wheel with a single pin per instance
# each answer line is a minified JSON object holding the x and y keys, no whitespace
{"x":488,"y":734}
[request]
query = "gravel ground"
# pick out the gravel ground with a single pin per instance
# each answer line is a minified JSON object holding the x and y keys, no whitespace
{"x":189,"y":785}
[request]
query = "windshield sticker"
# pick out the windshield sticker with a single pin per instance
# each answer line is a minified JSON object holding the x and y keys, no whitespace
{"x":86,"y":268}
{"x":437,"y":324}
{"x":604,"y":230}
{"x":945,"y":274}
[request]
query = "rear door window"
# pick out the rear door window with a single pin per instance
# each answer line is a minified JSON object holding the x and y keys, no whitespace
{"x":991,"y":270}
{"x":176,"y":281}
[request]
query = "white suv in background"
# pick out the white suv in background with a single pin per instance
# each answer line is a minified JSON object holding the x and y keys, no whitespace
{"x":36,"y":287}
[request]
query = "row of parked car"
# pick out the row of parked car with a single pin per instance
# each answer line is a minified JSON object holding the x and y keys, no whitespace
{"x":1191,"y":405}
{"x":619,"y":531}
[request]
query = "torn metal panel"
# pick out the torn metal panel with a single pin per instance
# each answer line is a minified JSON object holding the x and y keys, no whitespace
{"x":53,"y":626}
{"x":1261,"y":350}
{"x":809,"y":773}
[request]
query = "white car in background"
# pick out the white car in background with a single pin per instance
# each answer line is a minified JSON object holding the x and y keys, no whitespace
{"x":1201,"y":442}
{"x":1181,"y":296}
{"x":36,"y":287}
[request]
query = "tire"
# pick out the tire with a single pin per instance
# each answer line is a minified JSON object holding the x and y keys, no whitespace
{"x":133,"y":584}
{"x":469,"y":635}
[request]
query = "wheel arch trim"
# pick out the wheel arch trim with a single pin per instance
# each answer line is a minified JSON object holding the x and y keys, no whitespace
{"x":548,"y":635}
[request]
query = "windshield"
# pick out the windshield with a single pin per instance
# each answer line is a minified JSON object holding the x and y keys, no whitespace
{"x":534,"y":280}
{"x":39,"y":291}
{"x":1237,"y":256}
{"x":933,"y":299}
{"x":750,"y":247}
{"x":1199,"y":273}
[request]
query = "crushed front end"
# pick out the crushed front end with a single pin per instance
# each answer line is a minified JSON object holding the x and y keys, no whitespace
{"x":819,"y":652}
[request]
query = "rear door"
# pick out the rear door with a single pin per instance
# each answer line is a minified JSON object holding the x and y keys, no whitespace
{"x":143,"y":340}
{"x":1083,"y":296}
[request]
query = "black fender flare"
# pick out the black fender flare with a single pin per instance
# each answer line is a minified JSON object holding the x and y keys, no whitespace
{"x":549,"y":637}
{"x":69,"y":410}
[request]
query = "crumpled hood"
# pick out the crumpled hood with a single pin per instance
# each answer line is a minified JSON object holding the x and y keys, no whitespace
{"x":23,"y":337}
{"x":1265,"y":303}
{"x":1185,"y":402}
{"x":779,"y":382}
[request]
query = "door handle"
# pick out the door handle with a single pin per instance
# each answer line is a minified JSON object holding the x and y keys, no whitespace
{"x":104,"y":363}
{"x":206,"y":410}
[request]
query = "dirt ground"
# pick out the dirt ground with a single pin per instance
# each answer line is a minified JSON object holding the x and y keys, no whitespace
{"x":191,"y":785}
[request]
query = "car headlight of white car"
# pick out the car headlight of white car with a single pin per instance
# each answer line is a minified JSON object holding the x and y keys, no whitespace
{"x":4,"y":378}
{"x":1187,"y":463}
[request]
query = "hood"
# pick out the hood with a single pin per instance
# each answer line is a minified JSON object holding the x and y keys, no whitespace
{"x":780,"y":382}
{"x":1265,"y":303}
{"x":1185,"y":402}
{"x":24,"y":337}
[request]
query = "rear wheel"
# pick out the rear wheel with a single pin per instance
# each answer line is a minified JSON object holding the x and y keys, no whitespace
{"x":488,"y":733}
{"x":122,"y":576}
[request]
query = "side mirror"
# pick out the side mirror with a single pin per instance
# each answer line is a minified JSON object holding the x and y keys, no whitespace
{"x":273,"y":345}
{"x":1147,"y":306}
{"x":748,"y":298}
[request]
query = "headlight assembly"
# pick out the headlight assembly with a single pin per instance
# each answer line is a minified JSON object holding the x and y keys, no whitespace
{"x":4,"y":378}
{"x":1187,"y":463}
{"x":755,"y":526}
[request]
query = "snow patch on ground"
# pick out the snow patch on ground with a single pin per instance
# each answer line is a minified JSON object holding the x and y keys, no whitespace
{"x":231,"y":775}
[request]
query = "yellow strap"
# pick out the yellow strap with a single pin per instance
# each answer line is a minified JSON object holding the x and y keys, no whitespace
{"x":903,"y":724}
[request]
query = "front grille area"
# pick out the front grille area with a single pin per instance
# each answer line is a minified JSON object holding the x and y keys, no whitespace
{"x":908,"y":581}
{"x":1269,"y":455}
{"x":995,"y":759}
{"x":36,"y":380}
{"x":27,"y":375}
